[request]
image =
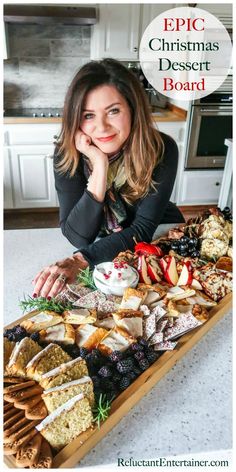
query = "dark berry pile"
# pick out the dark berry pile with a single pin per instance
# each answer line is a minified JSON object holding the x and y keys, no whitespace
{"x":114,"y":373}
{"x":186,"y":246}
{"x":17,"y":333}
{"x":227,"y":214}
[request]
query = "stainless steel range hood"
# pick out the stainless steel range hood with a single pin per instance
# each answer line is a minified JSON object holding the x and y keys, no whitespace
{"x":42,"y":14}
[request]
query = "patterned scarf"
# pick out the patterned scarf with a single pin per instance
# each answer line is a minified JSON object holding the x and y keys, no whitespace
{"x":114,"y":208}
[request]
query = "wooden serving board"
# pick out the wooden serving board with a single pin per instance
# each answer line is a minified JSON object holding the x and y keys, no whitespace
{"x":78,"y":448}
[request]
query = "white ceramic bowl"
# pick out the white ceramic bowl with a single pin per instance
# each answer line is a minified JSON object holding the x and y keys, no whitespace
{"x":113,"y":289}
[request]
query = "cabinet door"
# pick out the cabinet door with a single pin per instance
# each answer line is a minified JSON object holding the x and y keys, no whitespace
{"x":8,"y":197}
{"x":200,"y":187}
{"x":150,"y":11}
{"x":117,"y":32}
{"x":32,"y":176}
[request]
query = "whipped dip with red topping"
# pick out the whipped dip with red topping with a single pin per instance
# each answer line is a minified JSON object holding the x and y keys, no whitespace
{"x":115,"y":275}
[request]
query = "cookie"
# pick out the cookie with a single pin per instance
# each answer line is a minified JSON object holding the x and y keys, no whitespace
{"x":7,"y":406}
{"x":18,"y":425}
{"x":23,"y":394}
{"x":19,"y":386}
{"x":21,"y":432}
{"x":45,"y":457}
{"x":38,"y":412}
{"x":13,"y":380}
{"x":27,"y":403}
{"x":14,"y":446}
{"x":28,"y":454}
{"x":13,"y":419}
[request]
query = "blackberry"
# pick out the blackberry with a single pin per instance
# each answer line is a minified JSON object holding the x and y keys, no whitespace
{"x":124,"y":383}
{"x":92,"y":359}
{"x":136,"y":347}
{"x":126,"y":365}
{"x":151,"y":356}
{"x":139,"y":355}
{"x":107,"y":385}
{"x":143,"y":364}
{"x":131,"y":375}
{"x":105,"y":371}
{"x":83,"y":352}
{"x":143,"y":343}
{"x":115,"y":356}
{"x":96,"y":381}
{"x":35,"y":337}
{"x":136,"y":370}
{"x":73,"y":351}
{"x":111,"y":395}
{"x":116,"y":377}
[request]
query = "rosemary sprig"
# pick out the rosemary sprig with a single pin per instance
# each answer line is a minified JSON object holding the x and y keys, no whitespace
{"x":101,"y":409}
{"x":85,"y":277}
{"x":42,"y":303}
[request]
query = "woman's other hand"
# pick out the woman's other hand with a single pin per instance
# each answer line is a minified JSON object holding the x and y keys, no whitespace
{"x":52,"y":279}
{"x":83,"y":144}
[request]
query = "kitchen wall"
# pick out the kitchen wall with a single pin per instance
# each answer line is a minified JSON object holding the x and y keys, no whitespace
{"x":43,"y":61}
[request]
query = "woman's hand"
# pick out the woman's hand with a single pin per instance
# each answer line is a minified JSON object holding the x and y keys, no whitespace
{"x":83,"y":144}
{"x":51,"y":280}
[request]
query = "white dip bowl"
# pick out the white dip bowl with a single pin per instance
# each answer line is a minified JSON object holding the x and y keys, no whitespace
{"x":110,"y":284}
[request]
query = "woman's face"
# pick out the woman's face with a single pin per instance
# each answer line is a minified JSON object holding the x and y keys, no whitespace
{"x":106,"y":118}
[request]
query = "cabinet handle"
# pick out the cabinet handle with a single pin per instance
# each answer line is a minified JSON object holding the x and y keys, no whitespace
{"x":217,"y":184}
{"x":135,"y":49}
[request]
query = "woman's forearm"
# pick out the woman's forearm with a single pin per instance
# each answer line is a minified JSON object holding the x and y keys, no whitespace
{"x":98,"y":180}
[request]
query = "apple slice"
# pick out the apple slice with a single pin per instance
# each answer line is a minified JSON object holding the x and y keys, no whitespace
{"x":153,"y":268}
{"x":142,"y":270}
{"x":186,"y":276}
{"x":171,"y":274}
{"x":196,"y":284}
{"x":163,"y":264}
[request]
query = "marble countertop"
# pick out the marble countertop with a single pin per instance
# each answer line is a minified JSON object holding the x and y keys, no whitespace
{"x":187,"y":412}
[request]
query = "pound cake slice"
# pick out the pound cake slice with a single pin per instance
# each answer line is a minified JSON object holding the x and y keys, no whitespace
{"x":7,"y":351}
{"x":41,"y":320}
{"x":71,"y":370}
{"x":61,"y":333}
{"x":66,"y":422}
{"x":55,"y":397}
{"x":49,"y":358}
{"x":22,"y":353}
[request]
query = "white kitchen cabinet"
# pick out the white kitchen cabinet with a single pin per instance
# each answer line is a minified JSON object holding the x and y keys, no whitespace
{"x":29,"y":179}
{"x":200,"y":187}
{"x":175,"y":129}
{"x":7,"y":175}
{"x":117,"y":32}
{"x":151,"y":11}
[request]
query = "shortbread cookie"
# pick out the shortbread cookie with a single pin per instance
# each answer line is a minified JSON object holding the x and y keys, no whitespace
{"x":28,"y":402}
{"x":14,"y":446}
{"x":28,"y":454}
{"x":21,"y":432}
{"x":89,"y":336}
{"x":41,"y":320}
{"x":80,"y":316}
{"x":49,"y":358}
{"x":132,"y":299}
{"x":45,"y":457}
{"x":13,"y":419}
{"x":37,"y":412}
{"x":23,"y":394}
{"x":130,"y":320}
{"x":19,"y":386}
{"x":116,"y":339}
{"x":21,"y":355}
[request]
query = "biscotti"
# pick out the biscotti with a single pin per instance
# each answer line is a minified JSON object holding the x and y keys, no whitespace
{"x":66,"y":422}
{"x":71,"y":370}
{"x":61,"y":333}
{"x":55,"y":397}
{"x":49,"y":358}
{"x":41,"y":320}
{"x":8,"y":347}
{"x":22,"y":353}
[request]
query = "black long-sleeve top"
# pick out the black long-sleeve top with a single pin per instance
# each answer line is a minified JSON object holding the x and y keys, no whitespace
{"x":81,"y":215}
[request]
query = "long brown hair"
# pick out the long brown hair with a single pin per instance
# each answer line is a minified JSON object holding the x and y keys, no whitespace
{"x":144,"y":147}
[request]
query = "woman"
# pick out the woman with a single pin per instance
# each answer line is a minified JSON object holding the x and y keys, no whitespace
{"x":114,"y":172}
